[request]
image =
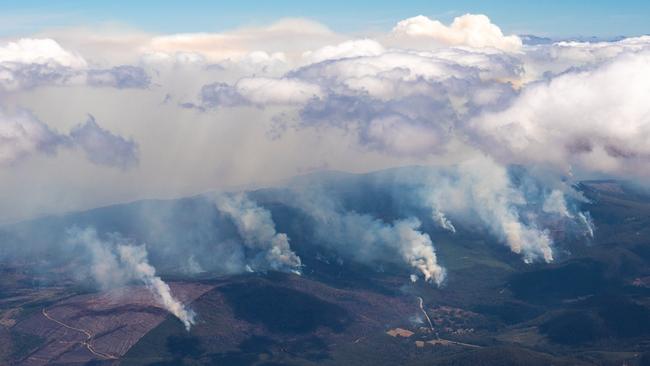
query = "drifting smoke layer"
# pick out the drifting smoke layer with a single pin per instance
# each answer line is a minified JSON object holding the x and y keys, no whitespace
{"x":257,"y":231}
{"x":481,"y":189}
{"x":368,"y":239}
{"x":556,"y":203}
{"x":483,"y":193}
{"x":495,"y":201}
{"x":115,"y":265}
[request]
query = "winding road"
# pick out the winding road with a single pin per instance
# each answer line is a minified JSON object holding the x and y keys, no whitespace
{"x":88,"y":335}
{"x":425,"y":313}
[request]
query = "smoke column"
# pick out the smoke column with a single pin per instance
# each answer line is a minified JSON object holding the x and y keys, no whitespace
{"x":257,"y":230}
{"x":135,"y":260}
{"x":366,"y":238}
{"x":585,"y":219}
{"x":115,"y":265}
{"x":417,"y":249}
{"x":441,"y":219}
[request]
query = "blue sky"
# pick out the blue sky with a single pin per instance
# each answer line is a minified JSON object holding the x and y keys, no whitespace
{"x":550,"y":18}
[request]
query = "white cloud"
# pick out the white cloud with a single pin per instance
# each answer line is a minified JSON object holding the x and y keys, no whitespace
{"x":41,"y":52}
{"x":426,"y":92}
{"x":260,"y":91}
{"x":347,"y":49}
{"x":556,"y":58}
{"x":22,"y":135}
{"x":393,"y":133}
{"x":28,"y":63}
{"x":472,"y":30}
{"x":291,"y":36}
{"x":277,"y":91}
{"x":596,"y":119}
{"x":102,"y":147}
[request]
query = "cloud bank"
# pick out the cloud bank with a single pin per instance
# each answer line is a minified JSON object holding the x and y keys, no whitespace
{"x":509,"y":127}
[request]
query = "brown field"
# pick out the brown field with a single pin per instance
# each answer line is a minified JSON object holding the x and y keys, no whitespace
{"x":101,"y":326}
{"x":399,"y":332}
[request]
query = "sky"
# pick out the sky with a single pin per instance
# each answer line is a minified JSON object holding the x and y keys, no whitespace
{"x":566,"y":18}
{"x":109,"y":102}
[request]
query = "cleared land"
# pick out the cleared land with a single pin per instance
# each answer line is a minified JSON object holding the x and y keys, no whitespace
{"x":100,"y":326}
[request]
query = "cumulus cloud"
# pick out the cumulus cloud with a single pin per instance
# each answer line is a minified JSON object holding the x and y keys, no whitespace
{"x":403,"y":102}
{"x":259,"y":91}
{"x":22,"y":135}
{"x":473,"y":30}
{"x":347,"y":49}
{"x":41,"y":52}
{"x":102,"y":147}
{"x":547,"y":60}
{"x":594,"y":119}
{"x":277,"y":91}
{"x":28,"y":63}
{"x":121,"y":77}
{"x":221,"y":95}
{"x":290,"y":36}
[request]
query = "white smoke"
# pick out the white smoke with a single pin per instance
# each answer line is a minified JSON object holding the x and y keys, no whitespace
{"x":417,"y":250}
{"x":105,"y":266}
{"x":495,"y":201}
{"x":509,"y":204}
{"x":115,"y":264}
{"x":192,"y":266}
{"x":481,"y":190}
{"x":368,"y":239}
{"x":555,"y":203}
{"x":134,"y":259}
{"x":585,"y":219}
{"x":441,"y":219}
{"x":257,"y":230}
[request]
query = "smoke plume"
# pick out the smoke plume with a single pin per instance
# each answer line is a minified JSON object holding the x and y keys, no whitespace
{"x":257,"y":230}
{"x":114,"y":264}
{"x":368,"y":239}
{"x":135,"y":261}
